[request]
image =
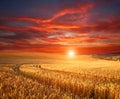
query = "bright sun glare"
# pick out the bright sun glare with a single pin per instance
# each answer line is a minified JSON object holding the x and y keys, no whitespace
{"x":71,"y":53}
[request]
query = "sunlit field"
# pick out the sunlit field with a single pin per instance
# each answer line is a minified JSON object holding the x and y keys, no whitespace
{"x":90,"y":79}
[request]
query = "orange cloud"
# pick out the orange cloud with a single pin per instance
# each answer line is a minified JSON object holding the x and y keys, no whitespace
{"x":99,"y":50}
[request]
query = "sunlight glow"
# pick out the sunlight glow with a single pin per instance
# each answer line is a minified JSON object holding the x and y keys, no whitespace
{"x":71,"y":53}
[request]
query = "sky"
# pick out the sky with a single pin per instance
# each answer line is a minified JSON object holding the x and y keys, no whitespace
{"x":56,"y":26}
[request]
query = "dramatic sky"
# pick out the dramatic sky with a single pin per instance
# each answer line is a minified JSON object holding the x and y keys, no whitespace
{"x":56,"y":26}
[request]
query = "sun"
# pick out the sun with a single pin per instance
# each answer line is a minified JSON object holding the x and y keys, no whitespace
{"x":71,"y":53}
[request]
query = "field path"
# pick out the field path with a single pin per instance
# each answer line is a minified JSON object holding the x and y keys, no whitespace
{"x":90,"y":82}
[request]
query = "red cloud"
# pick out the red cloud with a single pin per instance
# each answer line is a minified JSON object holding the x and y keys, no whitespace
{"x":14,"y":29}
{"x":53,"y":48}
{"x":56,"y":36}
{"x":79,"y":8}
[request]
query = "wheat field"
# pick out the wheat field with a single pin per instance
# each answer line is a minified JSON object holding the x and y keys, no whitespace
{"x":86,"y":80}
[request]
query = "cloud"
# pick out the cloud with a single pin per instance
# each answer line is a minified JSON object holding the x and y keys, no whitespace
{"x":78,"y":25}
